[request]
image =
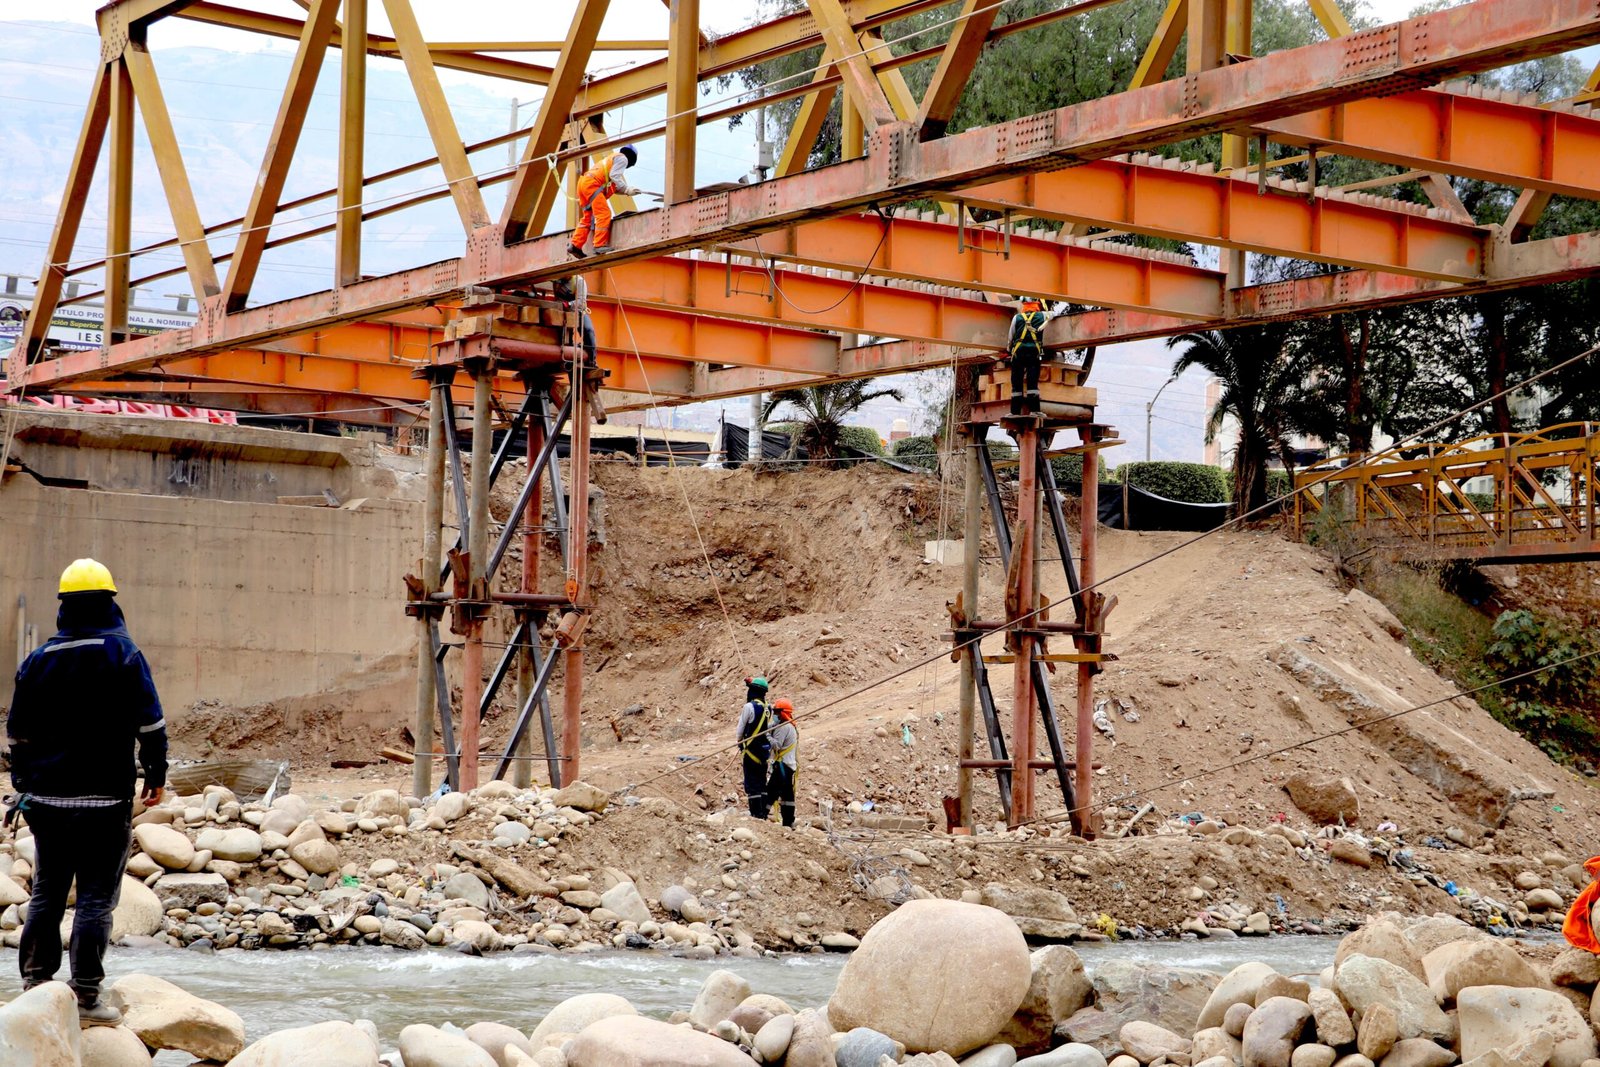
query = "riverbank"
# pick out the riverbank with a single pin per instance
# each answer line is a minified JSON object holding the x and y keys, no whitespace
{"x":933,"y":984}
{"x":579,"y":870}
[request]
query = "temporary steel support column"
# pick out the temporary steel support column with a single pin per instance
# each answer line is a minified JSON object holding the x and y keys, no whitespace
{"x":1022,"y":599}
{"x":426,"y":608}
{"x":577,"y":590}
{"x":470,"y":612}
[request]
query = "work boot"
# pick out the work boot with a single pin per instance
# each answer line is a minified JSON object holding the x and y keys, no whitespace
{"x":98,"y":1013}
{"x":576,"y":251}
{"x":1016,"y":404}
{"x":601,"y":250}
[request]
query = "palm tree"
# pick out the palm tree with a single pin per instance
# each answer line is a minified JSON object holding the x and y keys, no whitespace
{"x":1259,"y":387}
{"x":821,"y":411}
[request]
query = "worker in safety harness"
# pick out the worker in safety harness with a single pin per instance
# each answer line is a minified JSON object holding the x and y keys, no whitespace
{"x":83,"y":699}
{"x":595,"y":189}
{"x":755,"y":745}
{"x":1025,"y":349}
{"x":785,"y":739}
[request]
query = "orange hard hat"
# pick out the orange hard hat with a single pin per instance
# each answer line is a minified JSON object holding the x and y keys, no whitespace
{"x":1031,"y":303}
{"x":785,"y":706}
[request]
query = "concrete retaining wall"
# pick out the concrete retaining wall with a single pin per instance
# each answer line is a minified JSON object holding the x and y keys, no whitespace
{"x":235,"y":599}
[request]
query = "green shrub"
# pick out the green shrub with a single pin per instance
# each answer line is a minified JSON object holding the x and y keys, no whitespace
{"x":862,"y":439}
{"x":1069,"y":472}
{"x":1525,"y":642}
{"x":1192,"y":483}
{"x":917,"y":451}
{"x":1278,"y":483}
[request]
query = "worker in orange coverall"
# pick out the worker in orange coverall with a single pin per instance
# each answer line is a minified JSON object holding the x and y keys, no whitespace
{"x":595,"y":189}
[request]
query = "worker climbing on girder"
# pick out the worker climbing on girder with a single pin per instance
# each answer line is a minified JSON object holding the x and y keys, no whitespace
{"x":1025,"y":351}
{"x":785,"y":740}
{"x":755,"y":745}
{"x":595,"y":189}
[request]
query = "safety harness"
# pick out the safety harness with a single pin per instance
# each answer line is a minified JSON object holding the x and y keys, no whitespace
{"x":1031,"y":336}
{"x":755,"y":743}
{"x":605,"y":186}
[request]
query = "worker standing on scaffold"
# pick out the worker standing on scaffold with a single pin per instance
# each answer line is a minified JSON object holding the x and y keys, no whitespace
{"x":595,"y":189}
{"x":1025,"y":349}
{"x":755,"y":745}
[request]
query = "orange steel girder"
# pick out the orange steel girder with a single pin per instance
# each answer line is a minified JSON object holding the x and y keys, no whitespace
{"x":1219,"y":210}
{"x":1548,"y":149}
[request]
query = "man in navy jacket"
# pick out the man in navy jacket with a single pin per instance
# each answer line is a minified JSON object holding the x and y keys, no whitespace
{"x":82,"y":701}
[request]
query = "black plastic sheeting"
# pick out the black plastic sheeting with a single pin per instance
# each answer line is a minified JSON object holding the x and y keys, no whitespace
{"x":736,"y":445}
{"x":1131,"y":508}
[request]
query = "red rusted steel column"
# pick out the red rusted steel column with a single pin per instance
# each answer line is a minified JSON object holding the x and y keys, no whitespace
{"x":1088,"y":527}
{"x":478,"y":559}
{"x":577,"y":578}
{"x":1023,"y":550}
{"x":532,"y":542}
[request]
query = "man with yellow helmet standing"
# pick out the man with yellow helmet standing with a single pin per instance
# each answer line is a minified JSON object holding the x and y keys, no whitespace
{"x":83,"y":700}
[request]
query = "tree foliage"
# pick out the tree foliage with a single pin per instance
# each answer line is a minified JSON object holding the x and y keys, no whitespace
{"x":1192,"y":483}
{"x":821,"y":413}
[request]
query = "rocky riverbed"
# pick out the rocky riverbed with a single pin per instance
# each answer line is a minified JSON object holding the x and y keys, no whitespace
{"x":937,"y":984}
{"x":576,"y":870}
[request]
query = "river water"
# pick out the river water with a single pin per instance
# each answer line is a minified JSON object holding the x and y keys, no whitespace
{"x":276,"y":990}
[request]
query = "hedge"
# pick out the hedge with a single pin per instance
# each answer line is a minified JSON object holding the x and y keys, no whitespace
{"x":1069,"y":472}
{"x":919,"y":451}
{"x":1192,"y":483}
{"x":1279,"y":484}
{"x":862,"y":439}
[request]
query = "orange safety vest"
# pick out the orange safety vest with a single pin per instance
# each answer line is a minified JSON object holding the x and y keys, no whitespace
{"x":1579,"y":927}
{"x":603,"y":172}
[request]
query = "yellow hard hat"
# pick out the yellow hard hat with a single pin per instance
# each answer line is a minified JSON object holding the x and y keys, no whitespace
{"x":86,"y":576}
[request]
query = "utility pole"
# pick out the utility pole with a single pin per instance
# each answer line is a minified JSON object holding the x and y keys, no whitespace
{"x":758,"y":433}
{"x":1149,"y":415}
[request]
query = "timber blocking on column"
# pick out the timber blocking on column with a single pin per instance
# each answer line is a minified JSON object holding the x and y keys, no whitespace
{"x":1063,"y":403}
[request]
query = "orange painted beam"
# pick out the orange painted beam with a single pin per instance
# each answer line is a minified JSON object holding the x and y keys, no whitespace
{"x":1214,"y":209}
{"x":1534,"y":263}
{"x":1421,"y":51}
{"x":914,"y":249}
{"x":1510,"y":144}
{"x":799,"y":299}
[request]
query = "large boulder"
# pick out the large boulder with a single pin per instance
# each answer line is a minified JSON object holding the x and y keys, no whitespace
{"x":1147,"y":1042}
{"x":383,"y":804}
{"x":192,"y":890}
{"x":1576,"y":968}
{"x":164,"y":1016}
{"x":575,"y":1013}
{"x":1273,"y":1030}
{"x":582,"y":796}
{"x":169,"y":847}
{"x":1057,"y":989}
{"x":935,"y":975}
{"x":634,"y":1041}
{"x":811,"y":1042}
{"x":496,"y":1038}
{"x":1172,"y":997}
{"x":336,"y":1044}
{"x":1494,"y":1017}
{"x":238,"y":845}
{"x":625,"y":899}
{"x":1456,"y":966}
{"x":720,"y":994}
{"x":1382,"y":940}
{"x":113,"y":1046}
{"x":1325,"y":798}
{"x":1437,"y":930}
{"x":1334,"y":1027}
{"x":1038,"y":912}
{"x":1363,"y":981}
{"x":1238,"y":986}
{"x":40,"y":1028}
{"x":429,"y":1046}
{"x":138,"y":912}
{"x":1066,"y":1056}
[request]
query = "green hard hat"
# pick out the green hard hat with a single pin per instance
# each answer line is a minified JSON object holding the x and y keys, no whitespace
{"x":762,"y":682}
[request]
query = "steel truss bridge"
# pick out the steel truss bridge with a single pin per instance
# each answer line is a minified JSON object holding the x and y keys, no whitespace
{"x":698,"y":299}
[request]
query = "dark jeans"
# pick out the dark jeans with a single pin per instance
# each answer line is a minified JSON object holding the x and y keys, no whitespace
{"x":781,"y":789}
{"x":90,"y":844}
{"x":1024,"y":377}
{"x":755,"y":785}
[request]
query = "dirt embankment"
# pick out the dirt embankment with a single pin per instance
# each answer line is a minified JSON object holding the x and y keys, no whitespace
{"x":1229,"y":650}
